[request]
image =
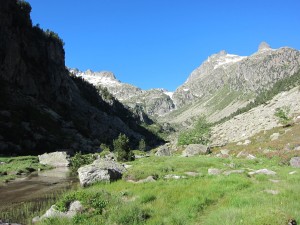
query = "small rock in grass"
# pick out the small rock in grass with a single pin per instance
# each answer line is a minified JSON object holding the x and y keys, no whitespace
{"x":273,"y":192}
{"x":214,"y":171}
{"x":173,"y":176}
{"x":295,"y":162}
{"x":293,"y":172}
{"x":147,"y":180}
{"x":247,"y":142}
{"x":274,"y":136}
{"x":250,"y":157}
{"x":263,"y":171}
{"x":233,"y":171}
{"x":192,"y":174}
{"x":274,"y":181}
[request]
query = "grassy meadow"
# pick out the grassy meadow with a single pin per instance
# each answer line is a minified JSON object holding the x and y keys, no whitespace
{"x":197,"y":199}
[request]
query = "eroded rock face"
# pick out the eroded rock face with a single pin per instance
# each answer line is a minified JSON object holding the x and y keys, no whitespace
{"x":100,"y":170}
{"x":295,"y":162}
{"x":195,"y":149}
{"x":55,"y":159}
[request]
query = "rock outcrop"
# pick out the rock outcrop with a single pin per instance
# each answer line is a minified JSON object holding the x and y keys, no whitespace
{"x":154,"y":102}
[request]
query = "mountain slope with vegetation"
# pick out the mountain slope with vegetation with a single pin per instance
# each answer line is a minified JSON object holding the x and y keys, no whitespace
{"x":42,"y":107}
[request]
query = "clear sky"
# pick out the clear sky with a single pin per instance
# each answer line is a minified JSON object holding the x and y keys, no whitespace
{"x":158,"y":43}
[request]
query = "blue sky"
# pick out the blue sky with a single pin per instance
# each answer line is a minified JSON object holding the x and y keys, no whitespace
{"x":158,"y":43}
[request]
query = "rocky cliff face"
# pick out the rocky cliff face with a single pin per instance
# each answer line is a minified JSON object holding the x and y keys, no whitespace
{"x":155,"y":102}
{"x":42,"y":108}
{"x":245,"y":74}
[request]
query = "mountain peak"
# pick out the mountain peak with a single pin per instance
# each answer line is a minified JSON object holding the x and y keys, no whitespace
{"x":264,"y":46}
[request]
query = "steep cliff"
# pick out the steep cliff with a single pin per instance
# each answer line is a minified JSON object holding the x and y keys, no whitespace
{"x":42,"y":107}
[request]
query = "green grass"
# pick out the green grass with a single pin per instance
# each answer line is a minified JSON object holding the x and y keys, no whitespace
{"x":204,"y":199}
{"x":13,"y":167}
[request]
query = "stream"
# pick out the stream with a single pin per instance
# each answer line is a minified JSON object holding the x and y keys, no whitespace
{"x":26,"y":197}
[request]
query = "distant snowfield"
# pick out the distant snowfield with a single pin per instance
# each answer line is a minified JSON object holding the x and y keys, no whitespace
{"x":228,"y":59}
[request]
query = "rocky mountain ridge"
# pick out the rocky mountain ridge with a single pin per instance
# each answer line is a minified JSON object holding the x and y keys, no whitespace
{"x":249,"y":74}
{"x":220,"y":86}
{"x":155,"y":102}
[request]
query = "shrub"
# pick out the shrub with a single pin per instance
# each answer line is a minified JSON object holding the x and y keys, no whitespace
{"x":142,"y":145}
{"x":122,"y":149}
{"x":79,"y":160}
{"x":200,"y":134}
{"x":283,"y":115}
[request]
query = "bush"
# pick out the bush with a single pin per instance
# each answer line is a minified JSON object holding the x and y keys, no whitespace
{"x":79,"y":160}
{"x":200,"y":134}
{"x":142,"y":145}
{"x":283,"y":115}
{"x":122,"y":149}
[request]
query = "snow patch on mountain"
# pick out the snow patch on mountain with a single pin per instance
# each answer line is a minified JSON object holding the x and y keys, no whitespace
{"x":103,"y":78}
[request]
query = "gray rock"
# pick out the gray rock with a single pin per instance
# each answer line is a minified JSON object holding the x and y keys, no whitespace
{"x":295,"y":162}
{"x":101,"y":170}
{"x":163,"y":150}
{"x":297,"y":148}
{"x":224,"y":151}
{"x":192,"y":174}
{"x":233,"y":171}
{"x":173,"y":176}
{"x":56,"y":159}
{"x":111,"y":156}
{"x":245,"y":155}
{"x":247,"y":142}
{"x":146,"y":180}
{"x":214,"y":171}
{"x":274,"y":181}
{"x":74,"y":208}
{"x":195,"y":149}
{"x":274,"y":136}
{"x":262,"y":171}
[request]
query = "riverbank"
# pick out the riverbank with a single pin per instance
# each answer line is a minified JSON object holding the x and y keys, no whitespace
{"x":26,"y":197}
{"x":19,"y":167}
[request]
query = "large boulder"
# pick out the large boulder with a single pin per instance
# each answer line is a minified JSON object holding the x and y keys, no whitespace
{"x":164,"y":150}
{"x":56,"y":159}
{"x":295,"y":162}
{"x":196,"y":149}
{"x":100,"y":170}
